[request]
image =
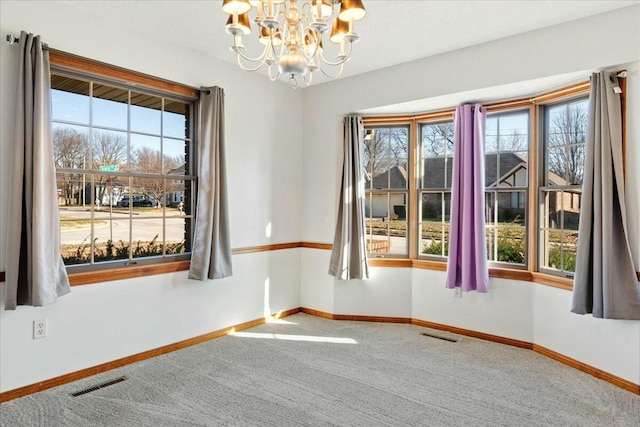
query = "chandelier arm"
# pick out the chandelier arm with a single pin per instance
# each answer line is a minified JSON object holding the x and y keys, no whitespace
{"x":245,"y":68}
{"x":304,"y":78}
{"x":317,"y":44}
{"x":331,"y":76}
{"x":271,"y":77}
{"x":237,"y":49}
{"x":340,"y":62}
{"x":276,"y":53}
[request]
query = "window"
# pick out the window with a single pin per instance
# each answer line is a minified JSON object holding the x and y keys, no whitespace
{"x":125,"y":172}
{"x":436,"y":166}
{"x":385,"y":162}
{"x":506,"y":179}
{"x":565,"y":133}
{"x":534,"y":165}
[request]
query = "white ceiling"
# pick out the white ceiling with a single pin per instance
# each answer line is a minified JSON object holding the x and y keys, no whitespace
{"x":393,"y":32}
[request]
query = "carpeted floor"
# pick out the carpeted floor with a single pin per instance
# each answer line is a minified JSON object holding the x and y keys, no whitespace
{"x":309,"y":371}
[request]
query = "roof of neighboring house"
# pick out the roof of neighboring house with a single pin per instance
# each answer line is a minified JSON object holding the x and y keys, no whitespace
{"x":180,"y":170}
{"x":397,"y":176}
{"x":434,"y":171}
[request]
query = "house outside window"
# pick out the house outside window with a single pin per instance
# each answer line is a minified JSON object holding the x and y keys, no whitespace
{"x":534,"y":166}
{"x":506,"y":180}
{"x":386,"y":164}
{"x":565,"y":134}
{"x":436,"y":161}
{"x":125,"y":172}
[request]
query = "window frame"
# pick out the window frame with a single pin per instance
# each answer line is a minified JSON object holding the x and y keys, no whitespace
{"x":531,"y":270}
{"x":543,"y":185}
{"x":389,"y":192}
{"x":85,"y":69}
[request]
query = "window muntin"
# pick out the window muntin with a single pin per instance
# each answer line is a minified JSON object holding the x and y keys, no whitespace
{"x":124,"y":176}
{"x":386,"y":162}
{"x":564,"y":148}
{"x":434,"y":188}
{"x":506,"y":186}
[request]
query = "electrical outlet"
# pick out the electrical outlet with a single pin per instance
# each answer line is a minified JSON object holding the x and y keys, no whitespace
{"x":39,"y":328}
{"x":457,"y":292}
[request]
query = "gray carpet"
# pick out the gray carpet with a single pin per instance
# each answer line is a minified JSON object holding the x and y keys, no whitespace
{"x":289,"y":375}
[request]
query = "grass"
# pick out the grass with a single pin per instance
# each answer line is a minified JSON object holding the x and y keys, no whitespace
{"x":80,"y":223}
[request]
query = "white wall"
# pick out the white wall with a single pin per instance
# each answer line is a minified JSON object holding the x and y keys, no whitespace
{"x":102,"y":322}
{"x":519,"y":310}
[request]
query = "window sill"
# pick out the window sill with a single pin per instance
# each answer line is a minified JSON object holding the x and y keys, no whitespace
{"x":501,"y":273}
{"x":89,"y":277}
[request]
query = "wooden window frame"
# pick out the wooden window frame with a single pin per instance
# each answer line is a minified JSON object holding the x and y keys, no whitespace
{"x":99,"y":70}
{"x":534,"y":104}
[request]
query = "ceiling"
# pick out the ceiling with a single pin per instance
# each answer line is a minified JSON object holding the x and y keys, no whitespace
{"x":393,"y":32}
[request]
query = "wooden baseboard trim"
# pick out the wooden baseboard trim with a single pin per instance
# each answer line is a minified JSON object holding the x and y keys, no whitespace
{"x":94,"y":370}
{"x":598,"y":373}
{"x":381,"y":319}
{"x":317,"y":313}
{"x":588,"y":369}
{"x":88,"y":372}
{"x":474,"y":334}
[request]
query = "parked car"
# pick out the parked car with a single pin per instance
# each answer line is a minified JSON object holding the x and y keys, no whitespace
{"x":137,"y":201}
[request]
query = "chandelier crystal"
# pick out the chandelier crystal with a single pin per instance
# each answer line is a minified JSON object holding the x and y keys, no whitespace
{"x":291,"y":35}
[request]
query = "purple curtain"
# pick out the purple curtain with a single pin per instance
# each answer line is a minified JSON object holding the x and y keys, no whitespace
{"x":467,"y":264}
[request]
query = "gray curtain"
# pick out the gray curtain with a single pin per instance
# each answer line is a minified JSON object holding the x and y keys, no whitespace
{"x":35,"y":271}
{"x":211,"y":252}
{"x":605,"y":282}
{"x":349,"y":254}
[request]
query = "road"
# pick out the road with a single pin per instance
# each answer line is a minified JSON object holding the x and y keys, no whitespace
{"x":146,"y":226}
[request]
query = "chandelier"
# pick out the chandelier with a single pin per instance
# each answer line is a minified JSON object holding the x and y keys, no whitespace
{"x":291,"y":35}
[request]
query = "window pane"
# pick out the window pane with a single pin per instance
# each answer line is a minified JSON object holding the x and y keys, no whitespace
{"x":111,"y":239}
{"x":110,"y":106}
{"x":575,"y":164}
{"x":565,"y":137}
{"x":146,"y":237}
{"x":386,"y":223}
{"x":75,"y":244}
{"x":175,"y":119}
{"x":571,"y":207}
{"x":434,"y":225}
{"x":176,"y":154}
{"x":513,"y":134}
{"x":557,"y":174}
{"x":569,"y":250}
{"x":69,"y":100}
{"x":552,"y":249}
{"x":491,"y":135}
{"x":385,"y":158}
{"x":511,"y":207}
{"x":109,"y":150}
{"x":178,"y":229}
{"x":74,"y":193}
{"x":437,"y":140}
{"x":145,"y":154}
{"x":70,"y":146}
{"x":175,"y":200}
{"x":435,"y":239}
{"x":437,"y":155}
{"x":148,"y":194}
{"x":145,"y":113}
{"x":506,"y":244}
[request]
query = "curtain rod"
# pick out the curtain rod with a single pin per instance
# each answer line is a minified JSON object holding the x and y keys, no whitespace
{"x":11,"y":39}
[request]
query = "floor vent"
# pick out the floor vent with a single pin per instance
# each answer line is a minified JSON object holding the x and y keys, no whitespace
{"x":99,"y":386}
{"x":440,"y":337}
